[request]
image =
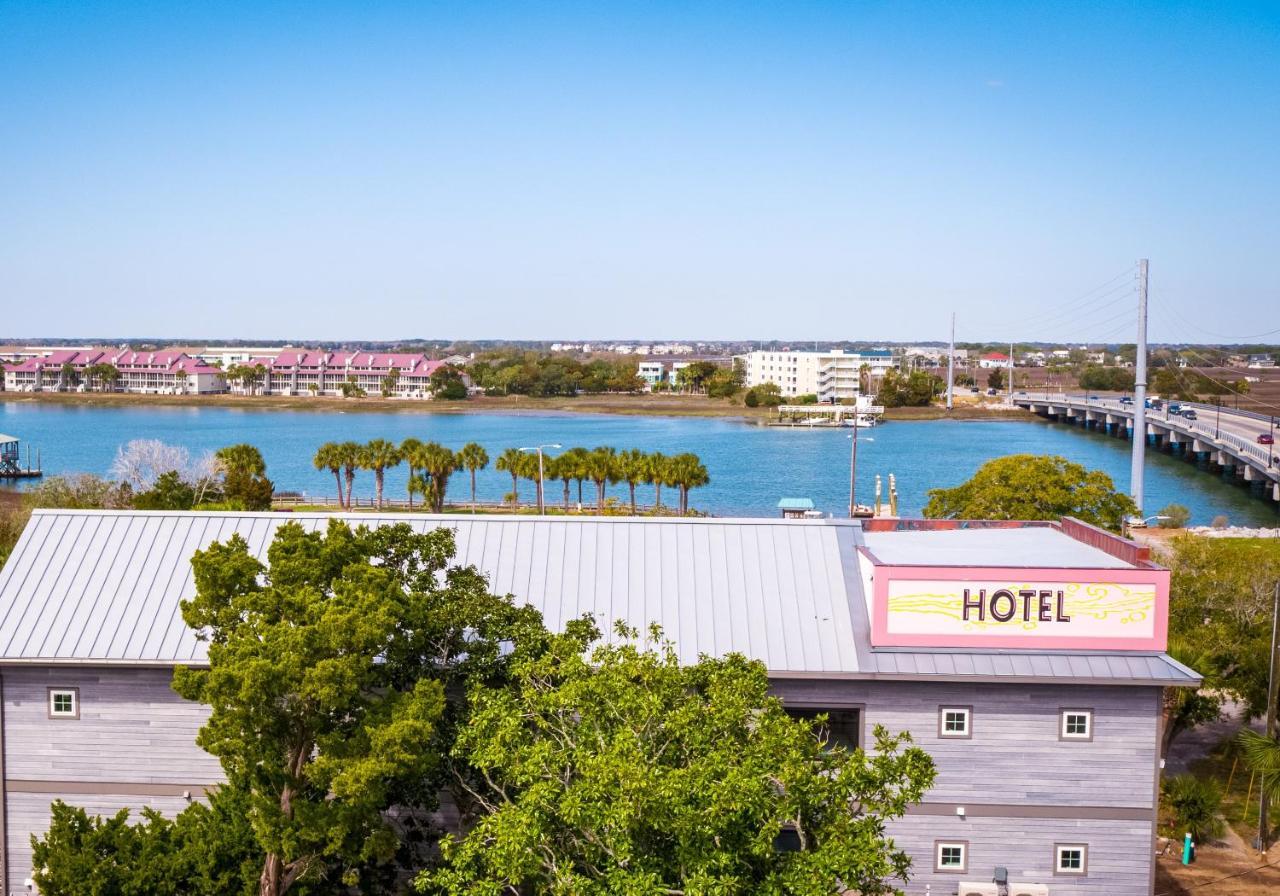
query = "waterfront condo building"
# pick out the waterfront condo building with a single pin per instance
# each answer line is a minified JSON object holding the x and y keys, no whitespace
{"x":303,"y":372}
{"x":833,"y":375}
{"x":149,"y":373}
{"x":1026,"y":658}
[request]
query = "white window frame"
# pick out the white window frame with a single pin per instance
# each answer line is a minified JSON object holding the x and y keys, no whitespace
{"x":1060,"y":850}
{"x":55,"y":693}
{"x":967,"y":712}
{"x":940,"y":845}
{"x":1063,"y":720}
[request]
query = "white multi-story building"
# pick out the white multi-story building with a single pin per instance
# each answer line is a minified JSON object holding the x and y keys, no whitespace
{"x":833,"y":375}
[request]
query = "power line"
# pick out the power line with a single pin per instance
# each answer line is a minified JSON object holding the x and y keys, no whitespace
{"x":1206,"y":883}
{"x":1192,"y":326}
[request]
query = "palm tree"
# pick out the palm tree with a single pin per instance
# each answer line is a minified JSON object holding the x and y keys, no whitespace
{"x":410,"y":449}
{"x":572,"y":464}
{"x":657,"y":474}
{"x":1261,"y":753}
{"x":349,"y":452}
{"x":424,"y":485}
{"x":686,"y":471}
{"x":600,"y":468}
{"x":377,"y":456}
{"x":473,"y":457}
{"x":561,"y":467}
{"x":439,"y":463}
{"x":510,"y":461}
{"x":633,"y":468}
{"x":329,"y":457}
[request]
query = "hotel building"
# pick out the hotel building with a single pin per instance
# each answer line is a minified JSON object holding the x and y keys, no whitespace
{"x":1026,"y":658}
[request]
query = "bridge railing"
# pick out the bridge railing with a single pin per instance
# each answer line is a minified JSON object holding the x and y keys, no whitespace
{"x":1260,"y":454}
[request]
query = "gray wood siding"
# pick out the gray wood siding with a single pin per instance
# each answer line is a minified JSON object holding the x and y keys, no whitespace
{"x":1119,"y":860}
{"x":132,"y":728}
{"x":1014,"y":755}
{"x":29,"y":814}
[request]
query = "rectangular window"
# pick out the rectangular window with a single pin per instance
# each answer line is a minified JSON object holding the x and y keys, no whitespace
{"x":1070,"y":858}
{"x":953,"y":721}
{"x":843,"y":727}
{"x":1076,"y":724}
{"x":951,"y":855}
{"x":64,"y":703}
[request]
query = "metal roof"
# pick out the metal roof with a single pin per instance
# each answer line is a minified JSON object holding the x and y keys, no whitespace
{"x":1029,"y":546}
{"x":795,"y":504}
{"x":94,"y":587}
{"x":4,"y":439}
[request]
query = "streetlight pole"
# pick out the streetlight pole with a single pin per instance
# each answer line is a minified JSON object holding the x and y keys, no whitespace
{"x":538,"y":448}
{"x":853,"y":467}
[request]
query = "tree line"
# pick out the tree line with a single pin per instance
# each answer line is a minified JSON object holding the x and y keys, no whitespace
{"x":356,"y":675}
{"x":549,"y":375}
{"x":431,"y":465}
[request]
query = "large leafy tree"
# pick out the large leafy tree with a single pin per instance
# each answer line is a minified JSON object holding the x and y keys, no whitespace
{"x":1220,"y":611}
{"x":621,"y":771}
{"x":208,"y":850}
{"x":328,"y":671}
{"x":1033,"y":487}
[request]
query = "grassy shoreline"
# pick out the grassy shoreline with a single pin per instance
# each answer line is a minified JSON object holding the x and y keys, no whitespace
{"x":625,"y":405}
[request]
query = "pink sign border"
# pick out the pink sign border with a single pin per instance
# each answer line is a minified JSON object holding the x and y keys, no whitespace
{"x":881,"y":637}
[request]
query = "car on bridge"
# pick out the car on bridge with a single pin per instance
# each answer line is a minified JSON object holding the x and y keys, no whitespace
{"x":1189,"y":414}
{"x":1175,"y":408}
{"x":1126,"y":400}
{"x":1156,"y":404}
{"x":1266,"y":439}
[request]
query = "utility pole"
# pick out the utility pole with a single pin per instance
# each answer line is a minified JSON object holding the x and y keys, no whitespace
{"x":1272,"y":729}
{"x":951,"y":363}
{"x":1009,"y":385}
{"x":1140,"y":393}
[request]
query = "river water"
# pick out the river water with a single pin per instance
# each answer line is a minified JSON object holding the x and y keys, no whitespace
{"x":751,"y":466}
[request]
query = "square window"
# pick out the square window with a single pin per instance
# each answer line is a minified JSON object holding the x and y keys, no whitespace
{"x":843,"y":727}
{"x":1070,"y":858}
{"x":1076,"y":724}
{"x":64,"y":703}
{"x":953,"y":721}
{"x":951,"y":855}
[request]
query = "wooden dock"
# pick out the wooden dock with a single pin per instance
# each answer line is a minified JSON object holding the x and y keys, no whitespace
{"x":11,"y":466}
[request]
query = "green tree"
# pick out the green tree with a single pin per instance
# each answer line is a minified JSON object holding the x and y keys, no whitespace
{"x":207,"y":850}
{"x":1174,"y":516}
{"x":168,"y":493}
{"x":767,"y":395}
{"x":1262,"y":755}
{"x":622,"y":771}
{"x":658,"y":466}
{"x":995,"y":379}
{"x":633,"y":469}
{"x":329,"y":456}
{"x":1195,"y":804}
{"x":511,"y":461}
{"x":474,"y":458}
{"x":328,"y":671}
{"x":1185,"y":708}
{"x":439,"y":463}
{"x":601,"y":469}
{"x":377,"y":456}
{"x":244,"y":477}
{"x":447,"y":383}
{"x":1220,"y":609}
{"x":1033,"y":487}
{"x":411,"y":451}
{"x":685,"y":471}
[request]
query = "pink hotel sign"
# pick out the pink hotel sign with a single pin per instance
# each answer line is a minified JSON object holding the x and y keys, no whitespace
{"x":1020,"y":607}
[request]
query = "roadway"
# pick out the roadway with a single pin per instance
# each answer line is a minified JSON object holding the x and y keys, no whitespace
{"x":1224,"y":436}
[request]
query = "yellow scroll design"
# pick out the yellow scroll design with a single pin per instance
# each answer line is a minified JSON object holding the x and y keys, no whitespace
{"x":1097,"y":601}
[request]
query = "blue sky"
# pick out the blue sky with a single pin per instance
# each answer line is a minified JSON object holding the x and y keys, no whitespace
{"x":695,"y":170}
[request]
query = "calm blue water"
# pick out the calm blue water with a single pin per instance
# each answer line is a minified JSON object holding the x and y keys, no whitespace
{"x":751,"y":466}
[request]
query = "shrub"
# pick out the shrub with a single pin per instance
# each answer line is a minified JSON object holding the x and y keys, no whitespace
{"x":1176,"y":516}
{"x":1194,"y":804}
{"x":1220,"y":521}
{"x":751,"y":400}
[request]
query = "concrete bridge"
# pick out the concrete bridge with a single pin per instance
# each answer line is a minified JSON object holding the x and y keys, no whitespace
{"x":1221,"y":438}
